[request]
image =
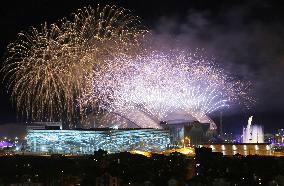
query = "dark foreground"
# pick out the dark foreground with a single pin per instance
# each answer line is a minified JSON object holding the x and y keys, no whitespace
{"x":206,"y":168}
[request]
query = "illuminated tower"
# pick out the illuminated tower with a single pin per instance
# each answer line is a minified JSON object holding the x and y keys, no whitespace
{"x":253,"y":133}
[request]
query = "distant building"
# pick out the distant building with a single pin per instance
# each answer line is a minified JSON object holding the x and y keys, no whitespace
{"x":45,"y":125}
{"x":280,"y":137}
{"x":226,"y":138}
{"x":5,"y":144}
{"x":280,"y":132}
{"x":253,"y":143}
{"x":230,"y":149}
{"x":173,"y":182}
{"x":187,"y":133}
{"x":107,"y":180}
{"x":220,"y":182}
{"x":147,"y":183}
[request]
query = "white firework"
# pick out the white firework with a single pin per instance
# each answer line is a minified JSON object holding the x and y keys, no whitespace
{"x":149,"y":87}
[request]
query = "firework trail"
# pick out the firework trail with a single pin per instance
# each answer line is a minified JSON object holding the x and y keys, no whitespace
{"x":48,"y":68}
{"x":149,"y":87}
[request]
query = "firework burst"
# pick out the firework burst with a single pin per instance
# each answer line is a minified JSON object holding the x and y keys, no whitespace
{"x":151,"y":86}
{"x":47,"y":69}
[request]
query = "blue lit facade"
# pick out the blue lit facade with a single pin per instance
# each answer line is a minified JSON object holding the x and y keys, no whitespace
{"x":88,"y":141}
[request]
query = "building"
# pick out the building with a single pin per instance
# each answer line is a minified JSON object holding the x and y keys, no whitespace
{"x":87,"y":141}
{"x":230,"y":149}
{"x":45,"y":125}
{"x":107,"y":180}
{"x":184,"y":134}
{"x":253,"y":143}
{"x":280,"y":137}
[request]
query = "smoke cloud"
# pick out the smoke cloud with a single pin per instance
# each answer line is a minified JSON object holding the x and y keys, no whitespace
{"x":251,"y":48}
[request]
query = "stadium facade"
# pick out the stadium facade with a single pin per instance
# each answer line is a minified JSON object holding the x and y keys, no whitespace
{"x":88,"y":141}
{"x":179,"y":129}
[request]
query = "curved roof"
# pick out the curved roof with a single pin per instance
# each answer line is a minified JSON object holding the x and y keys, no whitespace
{"x":179,"y":116}
{"x":136,"y":118}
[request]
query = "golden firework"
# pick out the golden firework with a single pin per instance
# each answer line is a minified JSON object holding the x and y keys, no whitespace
{"x":48,"y":69}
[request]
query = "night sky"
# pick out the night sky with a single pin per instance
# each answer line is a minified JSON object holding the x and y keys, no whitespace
{"x":245,"y":37}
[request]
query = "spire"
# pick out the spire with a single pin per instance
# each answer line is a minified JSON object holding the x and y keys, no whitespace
{"x":249,"y":121}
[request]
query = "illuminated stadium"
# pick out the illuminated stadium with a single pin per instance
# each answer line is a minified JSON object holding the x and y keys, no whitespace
{"x":119,"y":132}
{"x":172,"y":132}
{"x":88,"y":141}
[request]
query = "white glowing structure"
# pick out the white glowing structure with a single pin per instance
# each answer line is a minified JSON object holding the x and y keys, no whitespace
{"x":253,"y":133}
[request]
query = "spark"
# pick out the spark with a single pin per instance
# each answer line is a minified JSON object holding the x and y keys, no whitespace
{"x":47,"y":69}
{"x":151,"y":86}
